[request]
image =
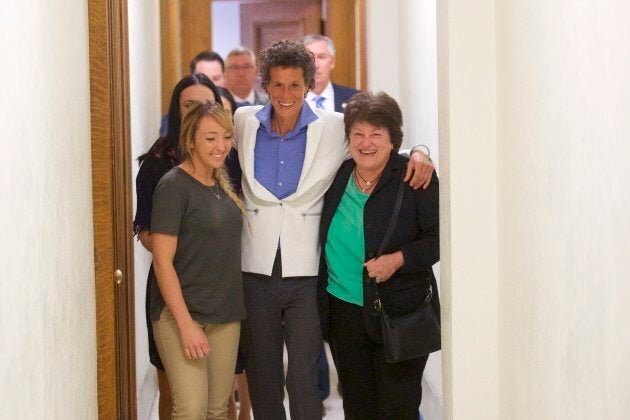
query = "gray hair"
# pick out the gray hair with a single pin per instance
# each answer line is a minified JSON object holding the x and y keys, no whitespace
{"x":242,"y":51}
{"x":309,"y":39}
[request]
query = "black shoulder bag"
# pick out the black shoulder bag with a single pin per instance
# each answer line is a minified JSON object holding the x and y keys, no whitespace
{"x":412,"y":335}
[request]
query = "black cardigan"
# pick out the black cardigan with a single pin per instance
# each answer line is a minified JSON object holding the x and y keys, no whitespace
{"x":416,"y":234}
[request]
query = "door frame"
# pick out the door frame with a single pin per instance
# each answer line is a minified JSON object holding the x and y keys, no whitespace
{"x":252,"y":19}
{"x":112,"y":208}
{"x":345,"y":23}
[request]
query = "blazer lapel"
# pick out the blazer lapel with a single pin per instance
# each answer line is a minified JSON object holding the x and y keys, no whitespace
{"x":249,"y":142}
{"x":338,"y":101}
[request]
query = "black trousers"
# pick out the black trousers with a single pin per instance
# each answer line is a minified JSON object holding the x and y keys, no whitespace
{"x":372,"y":388}
{"x":282,"y":311}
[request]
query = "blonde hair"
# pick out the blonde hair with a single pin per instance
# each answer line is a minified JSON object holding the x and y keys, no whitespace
{"x":190,"y":124}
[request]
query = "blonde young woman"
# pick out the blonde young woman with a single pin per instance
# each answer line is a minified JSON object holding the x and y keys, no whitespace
{"x":197,"y":309}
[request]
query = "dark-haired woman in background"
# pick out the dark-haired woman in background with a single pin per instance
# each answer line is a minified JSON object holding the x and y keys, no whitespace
{"x":356,"y":213}
{"x":161,"y":157}
{"x":228,"y":100}
{"x":231,"y":163}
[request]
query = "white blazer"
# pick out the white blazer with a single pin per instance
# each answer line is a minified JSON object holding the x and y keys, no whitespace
{"x":294,"y":220}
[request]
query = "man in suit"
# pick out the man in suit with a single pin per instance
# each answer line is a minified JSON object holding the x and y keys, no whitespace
{"x":211,"y":64}
{"x":325,"y":95}
{"x":240,"y":77}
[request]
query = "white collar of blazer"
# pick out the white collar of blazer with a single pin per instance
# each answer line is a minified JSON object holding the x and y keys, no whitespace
{"x":313,"y":138}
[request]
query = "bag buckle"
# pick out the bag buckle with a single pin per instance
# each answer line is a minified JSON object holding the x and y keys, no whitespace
{"x":429,"y":294}
{"x":377,"y":305}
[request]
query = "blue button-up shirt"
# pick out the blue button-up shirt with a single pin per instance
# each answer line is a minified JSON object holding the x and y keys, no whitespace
{"x":278,"y":160}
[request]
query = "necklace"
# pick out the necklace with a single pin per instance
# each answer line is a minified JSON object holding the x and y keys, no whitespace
{"x":202,"y":181}
{"x":215,"y":191}
{"x":368,"y":184}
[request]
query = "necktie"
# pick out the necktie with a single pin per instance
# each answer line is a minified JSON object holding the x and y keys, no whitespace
{"x":319,"y":102}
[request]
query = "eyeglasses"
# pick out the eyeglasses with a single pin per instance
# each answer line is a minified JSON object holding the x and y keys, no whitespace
{"x":239,"y":68}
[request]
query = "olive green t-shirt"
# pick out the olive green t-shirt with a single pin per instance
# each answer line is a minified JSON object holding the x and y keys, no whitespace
{"x":345,"y":247}
{"x":208,"y":255}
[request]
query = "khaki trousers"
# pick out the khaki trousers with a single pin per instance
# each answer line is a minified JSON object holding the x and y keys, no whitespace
{"x":201,"y":388}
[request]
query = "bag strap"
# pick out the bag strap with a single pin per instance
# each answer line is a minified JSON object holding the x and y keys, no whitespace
{"x":388,"y":234}
{"x":393,"y":220}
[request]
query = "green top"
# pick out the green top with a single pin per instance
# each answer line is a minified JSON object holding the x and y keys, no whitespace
{"x":345,"y":247}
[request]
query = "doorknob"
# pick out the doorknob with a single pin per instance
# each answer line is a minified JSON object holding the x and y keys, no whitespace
{"x":118,"y":276}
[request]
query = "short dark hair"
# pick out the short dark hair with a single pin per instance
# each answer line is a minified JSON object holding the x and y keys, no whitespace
{"x":287,"y":54}
{"x":380,"y":110}
{"x":206,"y":56}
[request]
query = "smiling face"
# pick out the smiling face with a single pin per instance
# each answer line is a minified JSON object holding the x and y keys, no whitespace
{"x":193,"y":94}
{"x":324,"y":64}
{"x":370,"y":147}
{"x":286,"y":91}
{"x":211,"y":145}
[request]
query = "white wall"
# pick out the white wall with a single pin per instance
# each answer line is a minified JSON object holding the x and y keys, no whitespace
{"x":418,"y":72}
{"x":382,"y":47}
{"x":564,"y":232}
{"x":534,"y":128}
{"x":468,"y":207}
{"x":226,"y":27}
{"x":144,"y":69}
{"x":48,"y":326}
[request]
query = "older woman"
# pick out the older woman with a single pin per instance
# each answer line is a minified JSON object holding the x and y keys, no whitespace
{"x":356,"y":213}
{"x":289,"y":155}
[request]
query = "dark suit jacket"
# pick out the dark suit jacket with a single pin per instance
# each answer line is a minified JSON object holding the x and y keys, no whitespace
{"x":342,"y":96}
{"x":260,"y":98}
{"x":416,"y":234}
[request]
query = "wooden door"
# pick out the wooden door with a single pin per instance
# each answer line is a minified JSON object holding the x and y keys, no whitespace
{"x":185,"y":30}
{"x":345,"y":25}
{"x":265,"y":21}
{"x":111,"y":197}
{"x":262,"y":23}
